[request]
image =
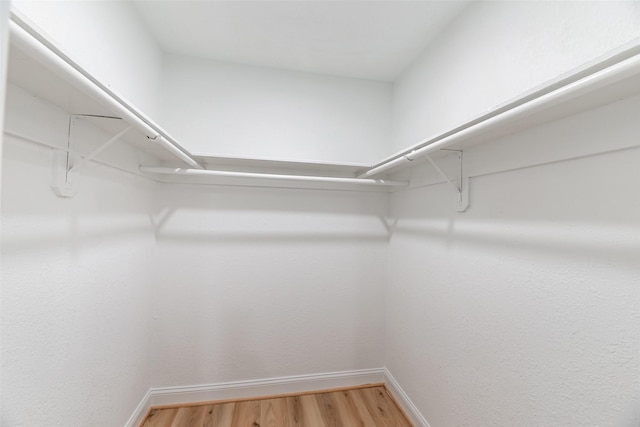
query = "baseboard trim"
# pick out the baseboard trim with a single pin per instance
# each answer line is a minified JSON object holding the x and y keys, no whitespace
{"x":404,"y":401}
{"x":141,"y":411}
{"x":254,"y":388}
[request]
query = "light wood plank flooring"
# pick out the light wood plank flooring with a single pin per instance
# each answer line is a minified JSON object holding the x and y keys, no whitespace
{"x":366,"y":407}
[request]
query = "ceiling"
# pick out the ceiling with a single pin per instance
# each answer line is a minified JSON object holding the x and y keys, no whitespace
{"x":374,"y":40}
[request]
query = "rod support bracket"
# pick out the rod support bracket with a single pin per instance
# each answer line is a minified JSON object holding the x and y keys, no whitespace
{"x":461,"y":200}
{"x":459,"y":185}
{"x":66,"y":163}
{"x":63,"y":181}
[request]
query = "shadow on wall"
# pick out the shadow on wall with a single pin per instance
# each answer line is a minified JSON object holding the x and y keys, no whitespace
{"x":247,"y":215}
{"x":551,"y":240}
{"x":560,"y":209}
{"x":109,"y":207}
{"x":72,"y":240}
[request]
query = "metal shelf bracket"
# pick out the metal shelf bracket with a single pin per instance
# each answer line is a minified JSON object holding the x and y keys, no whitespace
{"x":460,"y":184}
{"x":66,"y":163}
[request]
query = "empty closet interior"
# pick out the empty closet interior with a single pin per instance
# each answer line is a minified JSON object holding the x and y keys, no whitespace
{"x":205,"y":200}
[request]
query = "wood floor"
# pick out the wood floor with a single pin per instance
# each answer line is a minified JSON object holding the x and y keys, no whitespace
{"x":370,"y":406}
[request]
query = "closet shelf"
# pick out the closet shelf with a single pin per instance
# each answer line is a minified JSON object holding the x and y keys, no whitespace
{"x":605,"y":80}
{"x":262,"y":165}
{"x":271,"y":177}
{"x":46,"y":72}
{"x":39,"y":66}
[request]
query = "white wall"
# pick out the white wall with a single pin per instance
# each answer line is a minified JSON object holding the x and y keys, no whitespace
{"x":128,"y":286}
{"x":109,"y":40}
{"x":4,"y":52}
{"x":235,"y":110}
{"x":216,"y":108}
{"x":497,"y":50}
{"x":524,"y":310}
{"x":76,"y":308}
{"x":261,"y":283}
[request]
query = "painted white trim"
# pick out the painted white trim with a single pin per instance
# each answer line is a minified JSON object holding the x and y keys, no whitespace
{"x":141,"y":410}
{"x":253,"y":388}
{"x":264,"y":387}
{"x":403,"y":400}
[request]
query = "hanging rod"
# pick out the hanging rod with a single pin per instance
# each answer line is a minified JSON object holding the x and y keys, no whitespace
{"x":28,"y":39}
{"x":597,"y":80}
{"x":277,"y":177}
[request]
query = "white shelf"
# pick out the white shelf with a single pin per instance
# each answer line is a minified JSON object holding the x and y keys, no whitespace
{"x":608,"y":79}
{"x":611,"y":78}
{"x":246,"y":164}
{"x":31,"y":75}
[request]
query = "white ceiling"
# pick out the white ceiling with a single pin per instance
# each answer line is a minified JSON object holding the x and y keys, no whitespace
{"x":364,"y":39}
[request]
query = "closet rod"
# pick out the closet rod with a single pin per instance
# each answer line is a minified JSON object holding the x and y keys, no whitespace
{"x":278,"y":177}
{"x":25,"y":37}
{"x":612,"y":74}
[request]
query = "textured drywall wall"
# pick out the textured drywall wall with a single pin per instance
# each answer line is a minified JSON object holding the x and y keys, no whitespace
{"x":4,"y":47}
{"x":4,"y":52}
{"x":525,"y":309}
{"x":235,"y":110}
{"x":497,"y":50}
{"x":261,"y":283}
{"x":75,"y":310}
{"x":109,"y":40}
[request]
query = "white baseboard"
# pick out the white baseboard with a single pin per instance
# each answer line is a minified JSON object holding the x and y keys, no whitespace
{"x":403,"y":400}
{"x":253,"y":388}
{"x":141,"y":410}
